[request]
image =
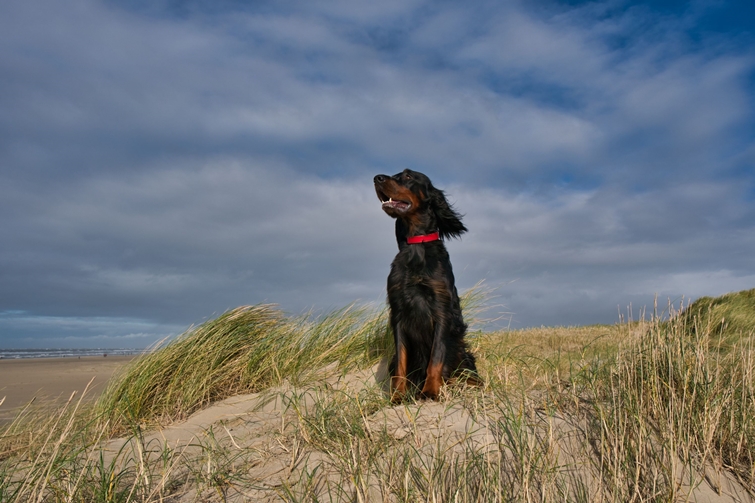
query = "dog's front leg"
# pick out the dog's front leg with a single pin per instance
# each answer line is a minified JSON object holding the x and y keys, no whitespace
{"x":434,"y":379}
{"x":398,"y":379}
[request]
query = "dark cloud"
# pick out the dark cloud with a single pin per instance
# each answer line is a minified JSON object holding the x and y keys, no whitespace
{"x":161,"y":162}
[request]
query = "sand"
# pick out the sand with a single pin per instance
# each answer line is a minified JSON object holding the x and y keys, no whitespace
{"x":52,"y":379}
{"x":264,"y":433}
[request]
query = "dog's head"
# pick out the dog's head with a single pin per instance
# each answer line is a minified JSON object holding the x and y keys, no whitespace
{"x":411,"y":197}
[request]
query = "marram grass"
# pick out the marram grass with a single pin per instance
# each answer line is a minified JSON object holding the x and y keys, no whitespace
{"x":248,"y":349}
{"x":728,"y":318}
{"x":643,"y":411}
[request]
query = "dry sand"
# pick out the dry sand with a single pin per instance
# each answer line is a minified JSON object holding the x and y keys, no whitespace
{"x":52,"y":379}
{"x":259,"y":432}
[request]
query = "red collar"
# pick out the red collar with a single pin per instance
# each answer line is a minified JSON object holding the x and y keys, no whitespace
{"x":424,"y":238}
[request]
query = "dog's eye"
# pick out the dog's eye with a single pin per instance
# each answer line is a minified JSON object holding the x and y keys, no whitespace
{"x":407,"y":176}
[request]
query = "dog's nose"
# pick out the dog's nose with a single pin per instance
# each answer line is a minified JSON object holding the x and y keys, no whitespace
{"x":379,"y":179}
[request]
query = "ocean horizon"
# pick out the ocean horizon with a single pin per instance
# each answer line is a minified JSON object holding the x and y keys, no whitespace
{"x":15,"y":354}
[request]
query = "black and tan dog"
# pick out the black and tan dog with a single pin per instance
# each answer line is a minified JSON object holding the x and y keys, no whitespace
{"x":428,"y":327}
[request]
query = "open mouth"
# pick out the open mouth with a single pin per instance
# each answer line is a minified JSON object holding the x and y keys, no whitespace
{"x":395,"y":204}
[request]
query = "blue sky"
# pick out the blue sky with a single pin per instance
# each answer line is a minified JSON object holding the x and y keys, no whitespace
{"x":161,"y":162}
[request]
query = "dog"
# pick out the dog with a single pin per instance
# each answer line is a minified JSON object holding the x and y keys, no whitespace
{"x":425,"y":314}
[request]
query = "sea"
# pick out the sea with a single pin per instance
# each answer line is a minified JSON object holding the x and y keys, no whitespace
{"x":14,"y":354}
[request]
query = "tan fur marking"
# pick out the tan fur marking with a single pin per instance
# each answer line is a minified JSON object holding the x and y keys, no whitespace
{"x":398,"y":381}
{"x":433,"y":381}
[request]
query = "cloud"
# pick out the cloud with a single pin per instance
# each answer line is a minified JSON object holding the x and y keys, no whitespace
{"x":162,"y":164}
{"x":222,"y":230}
{"x":24,"y":330}
{"x":578,"y":255}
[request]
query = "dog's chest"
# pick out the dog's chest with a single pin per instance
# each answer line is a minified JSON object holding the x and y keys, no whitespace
{"x":412,"y":277}
{"x":405,"y":280}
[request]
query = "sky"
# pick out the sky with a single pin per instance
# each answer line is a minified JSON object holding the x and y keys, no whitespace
{"x":164,"y":161}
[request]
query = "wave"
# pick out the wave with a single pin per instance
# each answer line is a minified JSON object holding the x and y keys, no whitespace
{"x":14,"y":354}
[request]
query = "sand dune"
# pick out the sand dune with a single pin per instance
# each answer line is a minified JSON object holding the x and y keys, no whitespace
{"x":270,"y":442}
{"x":281,"y":443}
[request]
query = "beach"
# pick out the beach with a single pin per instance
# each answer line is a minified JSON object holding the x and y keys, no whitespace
{"x":53,"y":379}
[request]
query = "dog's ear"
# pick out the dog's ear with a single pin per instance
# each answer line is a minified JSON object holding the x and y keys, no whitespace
{"x":449,"y":221}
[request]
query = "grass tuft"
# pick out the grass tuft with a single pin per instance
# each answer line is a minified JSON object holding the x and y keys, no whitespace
{"x":245,"y":350}
{"x":728,"y":317}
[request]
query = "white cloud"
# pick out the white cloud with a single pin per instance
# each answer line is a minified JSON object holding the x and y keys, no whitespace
{"x":166,"y":168}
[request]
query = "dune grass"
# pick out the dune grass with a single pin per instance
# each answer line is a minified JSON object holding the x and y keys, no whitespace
{"x":248,"y":349}
{"x":643,"y":411}
{"x":671,"y":407}
{"x":728,"y":318}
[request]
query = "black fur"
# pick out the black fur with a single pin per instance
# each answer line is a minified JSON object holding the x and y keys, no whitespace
{"x":428,"y":327}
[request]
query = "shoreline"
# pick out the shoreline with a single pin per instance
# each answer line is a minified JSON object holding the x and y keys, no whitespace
{"x":51,"y":380}
{"x":34,"y":354}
